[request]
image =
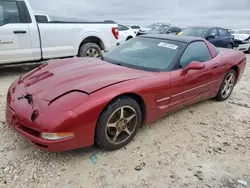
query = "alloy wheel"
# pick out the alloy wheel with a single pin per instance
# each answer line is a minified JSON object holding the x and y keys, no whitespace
{"x":121,"y":124}
{"x":228,"y":85}
{"x":92,"y":52}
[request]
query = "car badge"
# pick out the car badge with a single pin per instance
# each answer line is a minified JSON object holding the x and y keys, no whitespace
{"x":21,"y":97}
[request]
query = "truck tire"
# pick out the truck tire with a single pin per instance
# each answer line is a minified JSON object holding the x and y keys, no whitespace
{"x":89,"y":50}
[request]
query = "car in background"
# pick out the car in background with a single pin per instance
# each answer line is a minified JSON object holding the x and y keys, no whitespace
{"x":242,"y":39}
{"x":105,"y":100}
{"x":125,"y":33}
{"x":219,"y":37}
{"x":42,"y":18}
{"x":163,"y":29}
{"x":136,"y":28}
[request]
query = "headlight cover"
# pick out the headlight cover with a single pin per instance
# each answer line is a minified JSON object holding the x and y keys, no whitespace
{"x":69,"y":101}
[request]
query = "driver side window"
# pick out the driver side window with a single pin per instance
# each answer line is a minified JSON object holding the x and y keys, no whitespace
{"x":214,"y":32}
{"x":9,"y":12}
{"x":196,"y":51}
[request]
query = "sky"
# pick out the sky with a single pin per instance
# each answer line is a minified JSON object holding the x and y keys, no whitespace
{"x":232,"y":14}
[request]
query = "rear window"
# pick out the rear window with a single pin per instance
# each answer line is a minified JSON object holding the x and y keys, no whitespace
{"x":135,"y":27}
{"x":41,"y":19}
{"x":195,"y":31}
{"x":145,"y":53}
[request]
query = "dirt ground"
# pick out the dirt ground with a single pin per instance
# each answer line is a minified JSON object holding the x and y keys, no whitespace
{"x":206,"y":145}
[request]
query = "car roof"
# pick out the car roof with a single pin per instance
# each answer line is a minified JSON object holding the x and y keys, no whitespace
{"x":179,"y":38}
{"x":207,"y":27}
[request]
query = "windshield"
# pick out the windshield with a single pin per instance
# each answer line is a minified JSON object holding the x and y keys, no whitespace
{"x":195,"y":31}
{"x":144,"y":53}
{"x":152,"y":26}
{"x":159,"y":29}
{"x":242,"y":32}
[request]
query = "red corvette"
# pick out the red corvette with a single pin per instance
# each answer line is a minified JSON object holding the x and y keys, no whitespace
{"x":75,"y":103}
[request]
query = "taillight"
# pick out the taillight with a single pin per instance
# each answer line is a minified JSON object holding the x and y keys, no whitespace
{"x":115,"y":32}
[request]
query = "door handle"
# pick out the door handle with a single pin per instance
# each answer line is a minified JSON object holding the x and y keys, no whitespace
{"x":215,"y":66}
{"x":19,"y":32}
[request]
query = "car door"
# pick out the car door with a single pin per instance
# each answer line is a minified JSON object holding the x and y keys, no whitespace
{"x":225,"y":40}
{"x":195,"y":85}
{"x":15,"y":42}
{"x":213,"y":37}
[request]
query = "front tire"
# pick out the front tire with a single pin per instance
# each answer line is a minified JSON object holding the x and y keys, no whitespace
{"x":89,"y":50}
{"x":118,"y":123}
{"x":230,"y":46}
{"x":227,"y":86}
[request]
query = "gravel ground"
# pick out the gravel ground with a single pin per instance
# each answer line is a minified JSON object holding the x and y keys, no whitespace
{"x":205,"y":145}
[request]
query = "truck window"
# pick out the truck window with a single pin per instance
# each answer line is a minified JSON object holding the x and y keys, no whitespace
{"x":41,"y":19}
{"x":9,"y":12}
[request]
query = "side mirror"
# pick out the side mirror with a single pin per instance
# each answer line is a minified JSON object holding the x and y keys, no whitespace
{"x":211,"y":36}
{"x":194,"y":65}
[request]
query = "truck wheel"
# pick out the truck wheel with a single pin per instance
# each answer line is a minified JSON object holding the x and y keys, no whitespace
{"x":89,"y":50}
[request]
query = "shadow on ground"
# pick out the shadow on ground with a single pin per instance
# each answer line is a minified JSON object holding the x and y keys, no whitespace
{"x":9,"y":70}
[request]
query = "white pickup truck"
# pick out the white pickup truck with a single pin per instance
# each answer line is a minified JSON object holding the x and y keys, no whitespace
{"x":22,"y":39}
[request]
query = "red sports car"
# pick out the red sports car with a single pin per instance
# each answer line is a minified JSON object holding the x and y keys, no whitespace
{"x":73,"y":103}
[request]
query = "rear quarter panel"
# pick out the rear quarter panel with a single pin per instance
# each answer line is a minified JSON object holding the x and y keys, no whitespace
{"x":233,"y":58}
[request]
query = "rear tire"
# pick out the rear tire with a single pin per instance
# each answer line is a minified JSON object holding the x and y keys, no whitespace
{"x":112,"y":123}
{"x":227,"y":86}
{"x":129,"y":38}
{"x":89,"y":50}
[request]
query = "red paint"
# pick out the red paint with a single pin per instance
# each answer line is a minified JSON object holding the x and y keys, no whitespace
{"x":88,"y":85}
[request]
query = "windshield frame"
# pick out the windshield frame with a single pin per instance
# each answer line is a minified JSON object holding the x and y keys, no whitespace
{"x":170,"y":67}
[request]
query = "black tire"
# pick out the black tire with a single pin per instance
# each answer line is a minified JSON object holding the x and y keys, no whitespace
{"x":248,"y":51}
{"x":87,"y":47}
{"x":129,"y":37}
{"x":101,"y":135}
{"x":230,"y":46}
{"x":219,"y":96}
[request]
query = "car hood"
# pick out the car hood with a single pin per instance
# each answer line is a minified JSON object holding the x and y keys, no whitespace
{"x":83,"y":74}
{"x":241,"y":36}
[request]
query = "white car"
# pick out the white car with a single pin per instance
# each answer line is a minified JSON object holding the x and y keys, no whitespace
{"x":242,"y":39}
{"x":136,"y":28}
{"x":125,"y":33}
{"x":22,"y":39}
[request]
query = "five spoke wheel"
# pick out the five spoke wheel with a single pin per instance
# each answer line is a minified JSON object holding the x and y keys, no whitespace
{"x":121,"y":124}
{"x":228,"y":85}
{"x":118,"y":123}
